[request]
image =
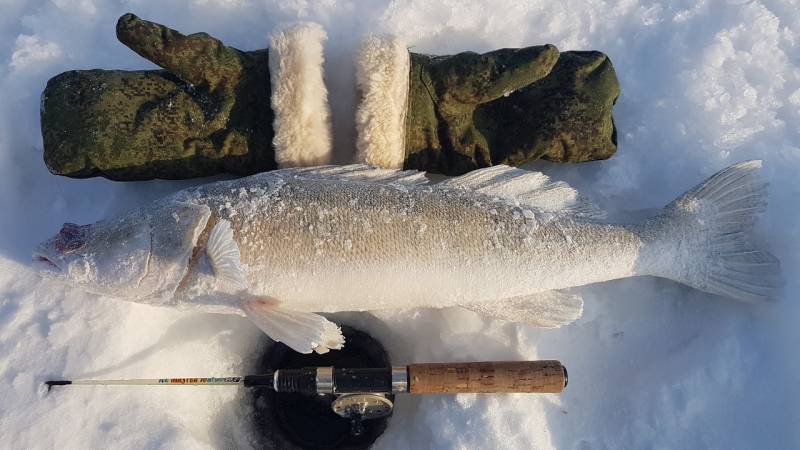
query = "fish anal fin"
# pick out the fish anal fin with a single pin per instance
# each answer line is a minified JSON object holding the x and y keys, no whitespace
{"x":549,"y":309}
{"x":303,"y":332}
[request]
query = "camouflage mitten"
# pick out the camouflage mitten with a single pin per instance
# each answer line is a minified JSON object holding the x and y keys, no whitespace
{"x":453,"y":114}
{"x":214,"y":109}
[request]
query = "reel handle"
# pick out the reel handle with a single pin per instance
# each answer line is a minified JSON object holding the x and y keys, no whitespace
{"x":497,"y":377}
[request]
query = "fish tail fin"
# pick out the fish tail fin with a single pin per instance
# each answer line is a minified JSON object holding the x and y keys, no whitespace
{"x":713,"y":224}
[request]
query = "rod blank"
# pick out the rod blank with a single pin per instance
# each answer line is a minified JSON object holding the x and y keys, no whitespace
{"x":202,"y":381}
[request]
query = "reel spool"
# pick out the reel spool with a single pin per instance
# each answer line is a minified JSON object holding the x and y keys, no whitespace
{"x":358,"y":407}
{"x":297,"y":421}
{"x":365,"y":406}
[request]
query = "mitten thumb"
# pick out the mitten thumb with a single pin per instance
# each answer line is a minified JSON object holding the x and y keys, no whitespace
{"x":197,"y":59}
{"x":472,"y":78}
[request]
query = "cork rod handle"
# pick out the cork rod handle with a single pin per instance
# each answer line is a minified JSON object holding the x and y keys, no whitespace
{"x":496,"y":377}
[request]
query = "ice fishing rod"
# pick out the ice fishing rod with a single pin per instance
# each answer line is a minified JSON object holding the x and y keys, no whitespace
{"x":496,"y":377}
{"x":362,"y":393}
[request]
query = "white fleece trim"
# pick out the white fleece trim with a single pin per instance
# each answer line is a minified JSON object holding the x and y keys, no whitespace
{"x":299,"y":97}
{"x":382,"y":72}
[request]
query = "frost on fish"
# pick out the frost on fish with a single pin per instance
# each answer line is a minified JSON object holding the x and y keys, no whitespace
{"x":356,"y":238}
{"x":141,"y":254}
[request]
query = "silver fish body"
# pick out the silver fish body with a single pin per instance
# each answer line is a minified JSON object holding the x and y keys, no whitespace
{"x":282,"y":245}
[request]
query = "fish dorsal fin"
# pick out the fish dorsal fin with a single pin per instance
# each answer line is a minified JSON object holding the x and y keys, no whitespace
{"x":356,"y":172}
{"x":549,"y":309}
{"x":224,"y":255}
{"x":526,"y":189}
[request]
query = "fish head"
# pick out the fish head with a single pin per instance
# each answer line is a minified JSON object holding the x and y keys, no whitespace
{"x":132,"y":256}
{"x":105,"y":257}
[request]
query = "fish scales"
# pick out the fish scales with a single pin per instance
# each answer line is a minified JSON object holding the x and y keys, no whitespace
{"x":326,"y":245}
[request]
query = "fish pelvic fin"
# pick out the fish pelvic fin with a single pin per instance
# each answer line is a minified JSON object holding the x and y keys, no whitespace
{"x":714,"y":223}
{"x":303,"y":332}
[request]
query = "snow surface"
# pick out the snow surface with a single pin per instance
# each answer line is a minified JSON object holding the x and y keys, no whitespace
{"x":652,"y":364}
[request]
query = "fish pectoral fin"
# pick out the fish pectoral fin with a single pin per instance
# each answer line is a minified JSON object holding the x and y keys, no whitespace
{"x":304,"y":332}
{"x":549,"y":309}
{"x":223,"y":253}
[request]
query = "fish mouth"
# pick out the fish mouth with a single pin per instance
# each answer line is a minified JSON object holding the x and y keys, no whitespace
{"x":43,"y":262}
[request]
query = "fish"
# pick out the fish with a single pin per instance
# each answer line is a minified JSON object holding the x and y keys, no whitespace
{"x":285,"y":247}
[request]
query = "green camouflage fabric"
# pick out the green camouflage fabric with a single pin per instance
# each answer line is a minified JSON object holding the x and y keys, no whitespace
{"x":207,"y":113}
{"x":509,"y":106}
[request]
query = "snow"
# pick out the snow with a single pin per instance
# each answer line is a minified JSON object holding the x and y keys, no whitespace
{"x":652,"y":364}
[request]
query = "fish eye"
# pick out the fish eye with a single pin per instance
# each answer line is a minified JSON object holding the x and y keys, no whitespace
{"x":71,"y":237}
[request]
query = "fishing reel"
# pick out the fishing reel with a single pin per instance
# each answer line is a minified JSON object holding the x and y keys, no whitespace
{"x":333,"y":418}
{"x":358,"y":394}
{"x":359,"y":406}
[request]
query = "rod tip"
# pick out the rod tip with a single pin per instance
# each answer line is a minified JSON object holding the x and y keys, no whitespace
{"x":44,"y":388}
